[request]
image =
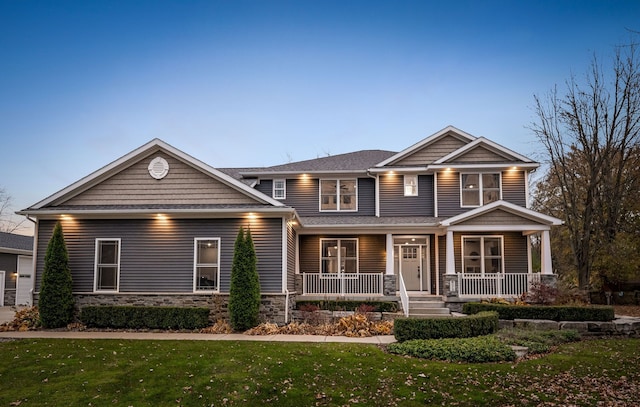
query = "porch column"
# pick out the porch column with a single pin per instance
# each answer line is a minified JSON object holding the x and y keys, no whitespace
{"x":451,"y":262}
{"x":545,"y":253}
{"x":389,"y":265}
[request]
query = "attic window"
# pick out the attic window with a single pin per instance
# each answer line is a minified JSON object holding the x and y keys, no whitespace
{"x":158,"y":168}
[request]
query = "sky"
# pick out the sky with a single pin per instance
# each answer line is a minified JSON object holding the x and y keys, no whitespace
{"x":239,"y":83}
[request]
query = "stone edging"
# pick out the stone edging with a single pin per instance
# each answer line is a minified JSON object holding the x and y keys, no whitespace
{"x":622,"y":326}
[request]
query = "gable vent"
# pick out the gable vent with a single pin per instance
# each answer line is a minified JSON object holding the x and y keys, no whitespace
{"x":158,"y":168}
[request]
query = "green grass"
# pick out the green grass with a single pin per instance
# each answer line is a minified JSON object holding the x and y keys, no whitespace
{"x":49,"y":372}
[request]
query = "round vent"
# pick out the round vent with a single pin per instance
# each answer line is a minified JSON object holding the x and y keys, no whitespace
{"x":158,"y":168}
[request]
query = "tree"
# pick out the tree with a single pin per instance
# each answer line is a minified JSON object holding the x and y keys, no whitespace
{"x":244,"y":294}
{"x":7,"y":221}
{"x":56,"y":301}
{"x":591,"y":139}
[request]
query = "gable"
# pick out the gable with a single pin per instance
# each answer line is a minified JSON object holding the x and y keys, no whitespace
{"x":498,"y":217}
{"x":481,"y":154}
{"x":429,"y":153}
{"x":183,"y":184}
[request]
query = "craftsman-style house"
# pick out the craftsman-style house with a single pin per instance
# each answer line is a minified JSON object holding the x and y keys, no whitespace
{"x":444,"y":219}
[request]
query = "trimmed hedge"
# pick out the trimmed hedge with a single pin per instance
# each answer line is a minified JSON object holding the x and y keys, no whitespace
{"x":144,"y":317}
{"x":554,"y":313}
{"x":483,"y":323}
{"x":481,"y":349}
{"x":343,"y":305}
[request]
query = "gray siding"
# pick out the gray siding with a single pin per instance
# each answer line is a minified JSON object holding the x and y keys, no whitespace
{"x":394,"y":203}
{"x":157,"y":256}
{"x":432,"y":152}
{"x":291,"y":257}
{"x":303,"y":195}
{"x":371,"y":253}
{"x":182,"y":185}
{"x":514,"y":187}
{"x":481,"y":154}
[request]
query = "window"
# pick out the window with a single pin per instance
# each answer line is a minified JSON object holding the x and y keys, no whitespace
{"x":107,"y":265}
{"x":279,"y":189}
{"x":338,"y":195}
{"x":410,"y":185}
{"x":338,"y":256}
{"x":206,"y":264}
{"x":479,"y":189}
{"x":482,"y":254}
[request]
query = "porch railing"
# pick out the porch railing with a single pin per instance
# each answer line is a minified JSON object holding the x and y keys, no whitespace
{"x":343,"y":283}
{"x":495,"y":285}
{"x":404,"y":297}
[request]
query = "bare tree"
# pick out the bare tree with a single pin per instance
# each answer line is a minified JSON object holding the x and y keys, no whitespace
{"x":8,"y":222}
{"x":591,"y":138}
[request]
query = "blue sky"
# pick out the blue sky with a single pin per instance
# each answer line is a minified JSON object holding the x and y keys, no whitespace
{"x":252,"y":83}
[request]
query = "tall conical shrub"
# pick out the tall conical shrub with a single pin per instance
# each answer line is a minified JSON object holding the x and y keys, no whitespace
{"x":244,"y":294}
{"x":55,"y":303}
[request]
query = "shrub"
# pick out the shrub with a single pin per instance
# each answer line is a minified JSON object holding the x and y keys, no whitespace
{"x":344,"y":305}
{"x":480,"y":349}
{"x":56,"y":298}
{"x":126,"y":317}
{"x":537,"y":341}
{"x":244,"y":294}
{"x":433,"y":328}
{"x":542,"y":293}
{"x":555,"y":313}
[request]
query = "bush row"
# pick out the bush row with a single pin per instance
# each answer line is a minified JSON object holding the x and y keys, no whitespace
{"x":144,"y":317}
{"x":343,"y":305}
{"x":483,"y":323}
{"x":555,"y":313}
{"x":480,"y":349}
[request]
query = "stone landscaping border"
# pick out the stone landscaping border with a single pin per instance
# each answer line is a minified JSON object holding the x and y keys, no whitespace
{"x":622,"y":326}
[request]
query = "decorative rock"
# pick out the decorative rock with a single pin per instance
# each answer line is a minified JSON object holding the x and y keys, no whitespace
{"x":521,"y":351}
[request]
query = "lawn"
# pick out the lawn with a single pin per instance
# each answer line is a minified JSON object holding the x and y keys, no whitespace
{"x":192,"y":373}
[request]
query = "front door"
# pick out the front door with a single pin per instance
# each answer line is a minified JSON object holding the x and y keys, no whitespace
{"x":410,"y":267}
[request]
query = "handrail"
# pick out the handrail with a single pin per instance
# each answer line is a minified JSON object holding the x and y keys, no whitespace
{"x":404,"y":297}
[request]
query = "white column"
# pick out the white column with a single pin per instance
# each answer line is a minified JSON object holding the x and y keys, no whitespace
{"x":545,"y":253}
{"x":389,"y":267}
{"x":451,"y":261}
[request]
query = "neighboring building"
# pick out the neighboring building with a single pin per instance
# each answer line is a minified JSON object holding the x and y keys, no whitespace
{"x":16,"y":269}
{"x":446,"y":218}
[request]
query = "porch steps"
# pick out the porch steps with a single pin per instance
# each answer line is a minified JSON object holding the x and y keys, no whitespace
{"x":422,"y":306}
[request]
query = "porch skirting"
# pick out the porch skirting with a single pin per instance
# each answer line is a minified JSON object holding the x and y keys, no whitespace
{"x":273,"y":307}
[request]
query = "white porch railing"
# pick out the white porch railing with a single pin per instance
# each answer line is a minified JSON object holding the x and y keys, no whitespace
{"x":343,"y":283}
{"x":404,"y":297}
{"x":495,"y":285}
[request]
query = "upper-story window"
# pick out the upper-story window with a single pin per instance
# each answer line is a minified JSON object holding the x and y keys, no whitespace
{"x":279,"y":189}
{"x":410,"y":185}
{"x":479,"y":189}
{"x":338,"y":195}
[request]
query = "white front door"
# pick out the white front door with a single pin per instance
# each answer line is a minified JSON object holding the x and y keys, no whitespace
{"x":24,"y":282}
{"x":411,"y":261}
{"x":410,"y":267}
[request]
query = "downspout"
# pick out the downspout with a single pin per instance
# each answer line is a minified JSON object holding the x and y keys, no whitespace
{"x":377,"y":192}
{"x":286,"y":306}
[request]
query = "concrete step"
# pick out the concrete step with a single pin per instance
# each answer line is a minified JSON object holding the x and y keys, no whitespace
{"x":429,"y":311}
{"x":425,"y":304}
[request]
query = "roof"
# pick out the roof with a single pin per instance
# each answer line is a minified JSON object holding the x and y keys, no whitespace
{"x":348,"y":162}
{"x":15,"y":242}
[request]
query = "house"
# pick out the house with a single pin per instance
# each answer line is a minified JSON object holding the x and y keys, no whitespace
{"x":445,"y":219}
{"x":16,"y":269}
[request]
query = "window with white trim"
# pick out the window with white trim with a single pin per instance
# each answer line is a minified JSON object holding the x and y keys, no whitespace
{"x":482,"y":254}
{"x":410,"y":185}
{"x":206,"y":264}
{"x":279,"y":189}
{"x":338,"y":256}
{"x":107,"y":265}
{"x":338,"y":195}
{"x":479,"y":189}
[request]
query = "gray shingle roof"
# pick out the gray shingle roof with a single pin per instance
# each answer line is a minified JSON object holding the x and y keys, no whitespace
{"x":16,"y":242}
{"x":356,"y":161}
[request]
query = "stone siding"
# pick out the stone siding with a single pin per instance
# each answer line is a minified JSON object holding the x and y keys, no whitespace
{"x":272,"y":306}
{"x":9,"y":297}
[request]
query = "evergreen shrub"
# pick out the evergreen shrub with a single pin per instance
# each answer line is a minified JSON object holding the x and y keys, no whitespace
{"x":129,"y":317}
{"x":484,"y":323}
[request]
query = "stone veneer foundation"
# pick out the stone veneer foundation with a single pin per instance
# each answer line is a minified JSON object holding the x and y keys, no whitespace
{"x":272,"y":306}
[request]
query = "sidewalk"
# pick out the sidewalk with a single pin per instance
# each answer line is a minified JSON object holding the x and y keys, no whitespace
{"x":162,"y":336}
